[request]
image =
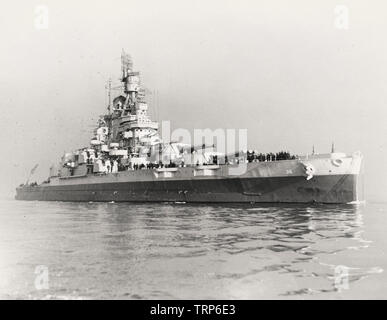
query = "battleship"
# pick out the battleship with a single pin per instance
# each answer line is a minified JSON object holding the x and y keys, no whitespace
{"x":127,"y":161}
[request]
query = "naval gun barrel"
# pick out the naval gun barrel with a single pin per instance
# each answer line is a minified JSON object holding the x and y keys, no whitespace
{"x":192,"y":148}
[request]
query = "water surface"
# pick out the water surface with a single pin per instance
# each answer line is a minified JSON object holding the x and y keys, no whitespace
{"x":181,"y":251}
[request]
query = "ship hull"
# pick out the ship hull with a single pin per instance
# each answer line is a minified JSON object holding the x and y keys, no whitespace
{"x":286,"y":181}
{"x":320,"y":189}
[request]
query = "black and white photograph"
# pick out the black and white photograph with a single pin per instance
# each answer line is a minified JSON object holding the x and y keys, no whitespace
{"x":192,"y":150}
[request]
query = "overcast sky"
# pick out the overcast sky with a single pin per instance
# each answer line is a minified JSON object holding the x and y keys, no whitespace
{"x":284,"y":70}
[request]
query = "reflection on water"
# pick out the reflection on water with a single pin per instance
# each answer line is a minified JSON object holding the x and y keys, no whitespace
{"x":130,"y":251}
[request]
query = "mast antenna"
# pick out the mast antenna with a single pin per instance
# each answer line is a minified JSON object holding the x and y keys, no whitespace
{"x":109,"y":95}
{"x":126,"y":64}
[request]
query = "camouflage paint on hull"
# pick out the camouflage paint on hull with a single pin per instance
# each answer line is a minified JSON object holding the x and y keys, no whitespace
{"x":340,"y":188}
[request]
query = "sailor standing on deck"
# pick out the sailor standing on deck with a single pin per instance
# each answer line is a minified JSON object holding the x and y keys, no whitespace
{"x":92,"y":156}
{"x":108,"y":166}
{"x":115,"y":166}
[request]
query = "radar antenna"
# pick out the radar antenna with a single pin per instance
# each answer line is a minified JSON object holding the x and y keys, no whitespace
{"x":126,"y":64}
{"x":109,"y":89}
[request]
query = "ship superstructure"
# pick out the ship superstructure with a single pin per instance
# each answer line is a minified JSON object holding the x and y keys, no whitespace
{"x":126,"y":138}
{"x":127,"y":161}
